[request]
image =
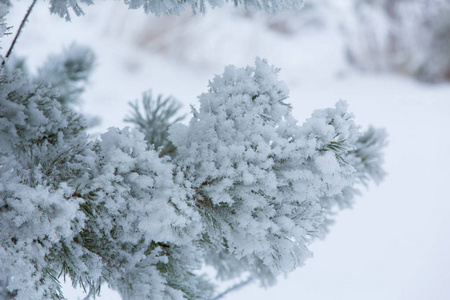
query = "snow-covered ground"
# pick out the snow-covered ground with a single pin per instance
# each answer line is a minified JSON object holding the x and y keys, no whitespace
{"x":394,"y":243}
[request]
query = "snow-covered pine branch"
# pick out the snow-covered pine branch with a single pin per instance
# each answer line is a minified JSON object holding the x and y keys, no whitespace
{"x":68,"y":72}
{"x":258,"y":178}
{"x":247,"y":192}
{"x":95,"y":211}
{"x":64,"y":8}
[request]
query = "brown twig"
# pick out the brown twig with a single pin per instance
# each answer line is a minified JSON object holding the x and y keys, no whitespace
{"x":234,"y":288}
{"x":18,"y":31}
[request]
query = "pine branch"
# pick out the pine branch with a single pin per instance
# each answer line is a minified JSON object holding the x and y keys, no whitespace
{"x":156,"y":120}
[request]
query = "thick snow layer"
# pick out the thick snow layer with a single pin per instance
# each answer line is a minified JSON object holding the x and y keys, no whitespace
{"x":393,"y":244}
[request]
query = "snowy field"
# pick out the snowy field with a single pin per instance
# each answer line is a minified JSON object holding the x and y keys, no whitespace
{"x":394,"y":243}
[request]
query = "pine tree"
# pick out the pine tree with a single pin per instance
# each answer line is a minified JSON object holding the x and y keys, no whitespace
{"x":243,"y":188}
